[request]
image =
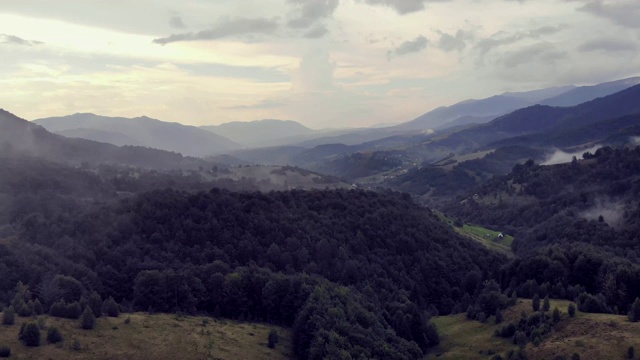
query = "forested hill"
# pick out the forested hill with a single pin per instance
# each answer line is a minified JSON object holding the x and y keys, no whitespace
{"x":354,"y":272}
{"x":576,"y":224}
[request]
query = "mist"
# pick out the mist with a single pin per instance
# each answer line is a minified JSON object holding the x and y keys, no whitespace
{"x":561,"y":157}
{"x":611,"y":211}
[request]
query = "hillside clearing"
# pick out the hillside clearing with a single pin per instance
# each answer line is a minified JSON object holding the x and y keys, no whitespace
{"x":152,"y":337}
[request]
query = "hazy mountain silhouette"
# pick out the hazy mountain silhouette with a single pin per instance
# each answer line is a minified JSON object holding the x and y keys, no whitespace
{"x":143,"y":131}
{"x":488,"y":108}
{"x":585,"y":93}
{"x":21,"y":137}
{"x":261,"y":132}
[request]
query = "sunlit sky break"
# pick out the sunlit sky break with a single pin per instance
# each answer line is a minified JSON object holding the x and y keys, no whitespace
{"x":324,"y":63}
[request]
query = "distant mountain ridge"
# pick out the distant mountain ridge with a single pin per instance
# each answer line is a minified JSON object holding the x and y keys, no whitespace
{"x":484,"y":110}
{"x":141,"y":131}
{"x":260,"y":132}
{"x":22,"y":137}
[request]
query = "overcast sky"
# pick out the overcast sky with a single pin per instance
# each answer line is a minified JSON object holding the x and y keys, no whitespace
{"x":324,"y":63}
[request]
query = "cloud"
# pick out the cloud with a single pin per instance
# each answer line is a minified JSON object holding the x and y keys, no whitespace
{"x":542,"y":53}
{"x":608,"y":45}
{"x":457,"y":42}
{"x":308,"y":12}
{"x":621,"y":12}
{"x":314,"y":74}
{"x":12,"y":39}
{"x":412,"y":46}
{"x":403,"y":7}
{"x":264,"y":104}
{"x":503,"y":38}
{"x":316,"y":32}
{"x":224,"y":29}
{"x":176,"y":22}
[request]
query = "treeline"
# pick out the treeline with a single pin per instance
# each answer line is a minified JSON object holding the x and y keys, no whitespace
{"x":378,"y":264}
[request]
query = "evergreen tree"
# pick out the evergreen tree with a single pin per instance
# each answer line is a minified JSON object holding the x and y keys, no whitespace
{"x":110,"y":307}
{"x":95,"y":302}
{"x":273,"y":339}
{"x":38,"y":309}
{"x":8,"y":316}
{"x":571,"y":310}
{"x":535,"y":302}
{"x":631,"y":352}
{"x":499,"y":317}
{"x":87,"y":319}
{"x":556,"y":315}
{"x":634,"y":313}
{"x":545,"y":304}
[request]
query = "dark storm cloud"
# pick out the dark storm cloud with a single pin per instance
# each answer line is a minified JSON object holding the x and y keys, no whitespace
{"x":308,"y":12}
{"x":622,"y":12}
{"x":403,"y":7}
{"x":12,"y":39}
{"x":608,"y":45}
{"x":412,"y":46}
{"x":224,"y":29}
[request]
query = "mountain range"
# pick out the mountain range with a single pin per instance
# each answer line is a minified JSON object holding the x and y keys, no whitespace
{"x":140,"y":131}
{"x":22,"y":137}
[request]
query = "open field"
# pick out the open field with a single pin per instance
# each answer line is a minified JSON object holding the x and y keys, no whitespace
{"x":592,"y":336}
{"x":488,"y":238}
{"x":152,"y":337}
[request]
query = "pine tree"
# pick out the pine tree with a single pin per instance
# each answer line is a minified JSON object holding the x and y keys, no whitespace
{"x":556,"y":315}
{"x":634,"y":313}
{"x":87,"y":319}
{"x":273,"y":339}
{"x":53,"y":335}
{"x":8,"y":316}
{"x":499,"y":317}
{"x":535,"y":302}
{"x":571,"y":310}
{"x":95,"y":302}
{"x":546,"y":305}
{"x":110,"y":307}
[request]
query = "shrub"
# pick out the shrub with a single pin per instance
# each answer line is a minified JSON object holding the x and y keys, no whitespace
{"x":87,"y":320}
{"x":5,"y":351}
{"x":507,"y":331}
{"x":499,"y":317}
{"x":53,"y":335}
{"x":73,"y":310}
{"x":575,"y":356}
{"x":273,"y":338}
{"x":127,"y":321}
{"x":111,"y":308}
{"x":545,"y":304}
{"x":75,"y":345}
{"x":556,"y":315}
{"x":571,"y":310}
{"x":9,"y":316}
{"x":30,"y":334}
{"x":634,"y":313}
{"x":58,"y":309}
{"x":631,"y":352}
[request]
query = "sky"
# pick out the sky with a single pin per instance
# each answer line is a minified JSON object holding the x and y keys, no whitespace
{"x":323,"y":63}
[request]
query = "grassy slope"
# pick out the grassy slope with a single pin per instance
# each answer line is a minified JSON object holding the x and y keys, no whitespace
{"x":593,"y":336}
{"x":153,"y":337}
{"x":480,"y":234}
